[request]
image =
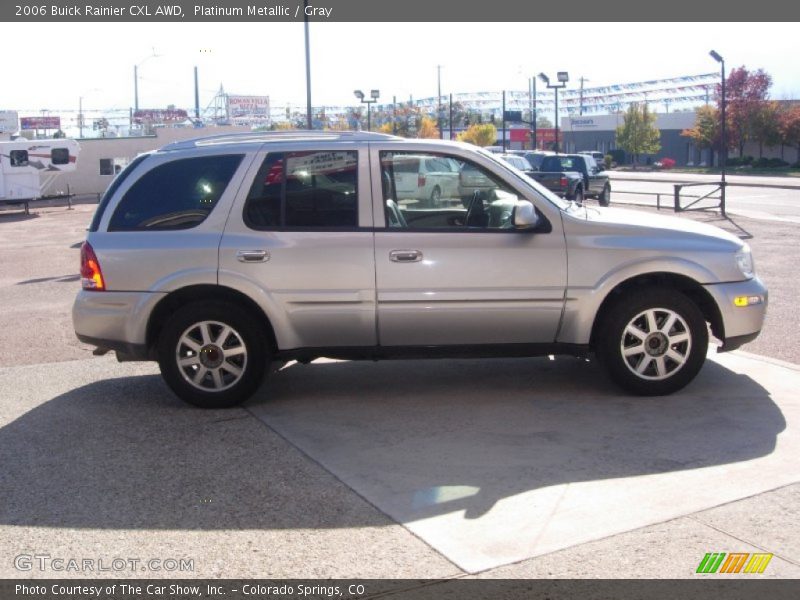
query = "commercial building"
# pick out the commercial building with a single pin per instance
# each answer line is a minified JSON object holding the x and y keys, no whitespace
{"x":598,"y":133}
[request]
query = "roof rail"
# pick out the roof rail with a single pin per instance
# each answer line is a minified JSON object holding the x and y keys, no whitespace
{"x":274,"y":136}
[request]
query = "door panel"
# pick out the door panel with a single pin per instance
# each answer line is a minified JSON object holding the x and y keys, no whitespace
{"x":466,"y":285}
{"x":470,"y":288}
{"x":316,"y":280}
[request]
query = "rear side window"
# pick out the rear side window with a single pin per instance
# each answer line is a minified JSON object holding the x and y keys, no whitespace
{"x":176,"y":195}
{"x":304,"y":190}
{"x":111,"y":190}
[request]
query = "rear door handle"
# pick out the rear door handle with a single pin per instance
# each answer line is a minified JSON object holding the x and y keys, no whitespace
{"x":405,"y":255}
{"x":247,"y":256}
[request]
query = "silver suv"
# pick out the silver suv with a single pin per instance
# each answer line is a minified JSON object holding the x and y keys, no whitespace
{"x":219,"y":256}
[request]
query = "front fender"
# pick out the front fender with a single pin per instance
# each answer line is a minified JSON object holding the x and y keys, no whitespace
{"x":583,"y":303}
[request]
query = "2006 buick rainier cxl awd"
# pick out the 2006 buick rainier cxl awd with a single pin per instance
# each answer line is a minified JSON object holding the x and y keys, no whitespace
{"x":220,"y":255}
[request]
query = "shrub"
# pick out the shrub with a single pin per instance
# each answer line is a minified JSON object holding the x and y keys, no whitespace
{"x":739,"y":161}
{"x":769,"y":163}
{"x":608,"y":161}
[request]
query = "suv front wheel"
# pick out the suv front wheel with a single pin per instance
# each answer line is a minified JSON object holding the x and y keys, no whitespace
{"x":211,"y":354}
{"x":653,"y":343}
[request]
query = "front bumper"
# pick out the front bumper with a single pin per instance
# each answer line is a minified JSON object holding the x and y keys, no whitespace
{"x":740,"y":324}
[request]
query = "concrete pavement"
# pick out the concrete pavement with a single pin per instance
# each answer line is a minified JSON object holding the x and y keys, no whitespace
{"x":379,"y":470}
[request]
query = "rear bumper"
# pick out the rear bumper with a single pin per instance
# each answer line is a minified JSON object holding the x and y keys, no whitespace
{"x":114,"y":320}
{"x":741,"y":324}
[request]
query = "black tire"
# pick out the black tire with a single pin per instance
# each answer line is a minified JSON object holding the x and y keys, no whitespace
{"x":650,"y":368}
{"x":220,"y":386}
{"x":578,"y":195}
{"x":605,"y":197}
{"x":436,"y":195}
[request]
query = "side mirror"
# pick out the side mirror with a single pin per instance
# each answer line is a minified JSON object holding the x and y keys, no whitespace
{"x":524,"y":215}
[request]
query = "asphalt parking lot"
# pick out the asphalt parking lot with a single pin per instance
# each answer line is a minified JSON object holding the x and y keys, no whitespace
{"x":501,"y":468}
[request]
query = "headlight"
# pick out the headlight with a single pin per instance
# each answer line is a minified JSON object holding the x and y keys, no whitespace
{"x":744,"y":260}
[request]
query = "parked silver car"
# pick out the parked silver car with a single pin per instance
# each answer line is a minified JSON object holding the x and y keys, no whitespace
{"x":220,"y":255}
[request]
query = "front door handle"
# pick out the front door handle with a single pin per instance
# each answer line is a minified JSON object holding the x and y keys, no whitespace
{"x":405,"y":255}
{"x":249,"y":256}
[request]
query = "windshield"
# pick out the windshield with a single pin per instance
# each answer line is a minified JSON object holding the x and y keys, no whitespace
{"x":538,"y":188}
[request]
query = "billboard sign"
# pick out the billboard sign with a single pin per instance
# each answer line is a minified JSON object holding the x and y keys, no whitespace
{"x":248,"y":107}
{"x":40,"y":123}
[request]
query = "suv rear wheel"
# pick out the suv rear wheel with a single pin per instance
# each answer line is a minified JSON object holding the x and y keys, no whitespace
{"x":653,"y":343}
{"x":212,"y":354}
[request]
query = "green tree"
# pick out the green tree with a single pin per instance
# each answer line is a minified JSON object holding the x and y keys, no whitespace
{"x":766,"y":126}
{"x":706,"y":131}
{"x":484,"y":134}
{"x":639,"y":134}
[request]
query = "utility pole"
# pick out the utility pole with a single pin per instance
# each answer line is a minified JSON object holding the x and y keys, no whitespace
{"x":196,"y":96}
{"x":582,"y":80}
{"x":535,"y":118}
{"x":309,"y":124}
{"x":504,"y":120}
{"x":451,"y":116}
{"x":439,"y":101}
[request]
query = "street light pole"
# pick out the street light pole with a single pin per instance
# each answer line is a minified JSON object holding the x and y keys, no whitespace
{"x":563,"y":78}
{"x":136,"y":78}
{"x":374,"y":95}
{"x":723,"y":158}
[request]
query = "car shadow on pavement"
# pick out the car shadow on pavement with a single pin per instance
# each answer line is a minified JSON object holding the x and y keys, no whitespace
{"x":428,"y":437}
{"x":420,"y":439}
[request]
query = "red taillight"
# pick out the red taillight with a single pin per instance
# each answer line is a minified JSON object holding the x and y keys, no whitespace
{"x":91,"y":275}
{"x":563,"y":182}
{"x":421,"y":181}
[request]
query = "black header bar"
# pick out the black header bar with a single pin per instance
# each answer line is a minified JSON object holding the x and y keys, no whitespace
{"x":401,"y":11}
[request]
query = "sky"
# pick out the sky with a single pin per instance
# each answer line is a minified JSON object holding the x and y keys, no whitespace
{"x":63,"y":62}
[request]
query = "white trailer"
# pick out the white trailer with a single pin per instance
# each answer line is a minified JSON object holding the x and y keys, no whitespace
{"x":28,"y":167}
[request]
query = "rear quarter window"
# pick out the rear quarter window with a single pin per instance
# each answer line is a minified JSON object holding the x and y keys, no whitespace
{"x":175,"y":195}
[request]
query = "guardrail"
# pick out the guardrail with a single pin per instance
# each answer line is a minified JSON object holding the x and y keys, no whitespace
{"x":719,"y":187}
{"x":677,"y":196}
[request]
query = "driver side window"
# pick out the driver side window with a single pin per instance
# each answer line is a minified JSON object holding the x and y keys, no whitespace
{"x":432,"y":191}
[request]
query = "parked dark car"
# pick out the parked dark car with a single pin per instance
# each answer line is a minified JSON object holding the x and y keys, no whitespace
{"x":535,"y":157}
{"x":575,"y":177}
